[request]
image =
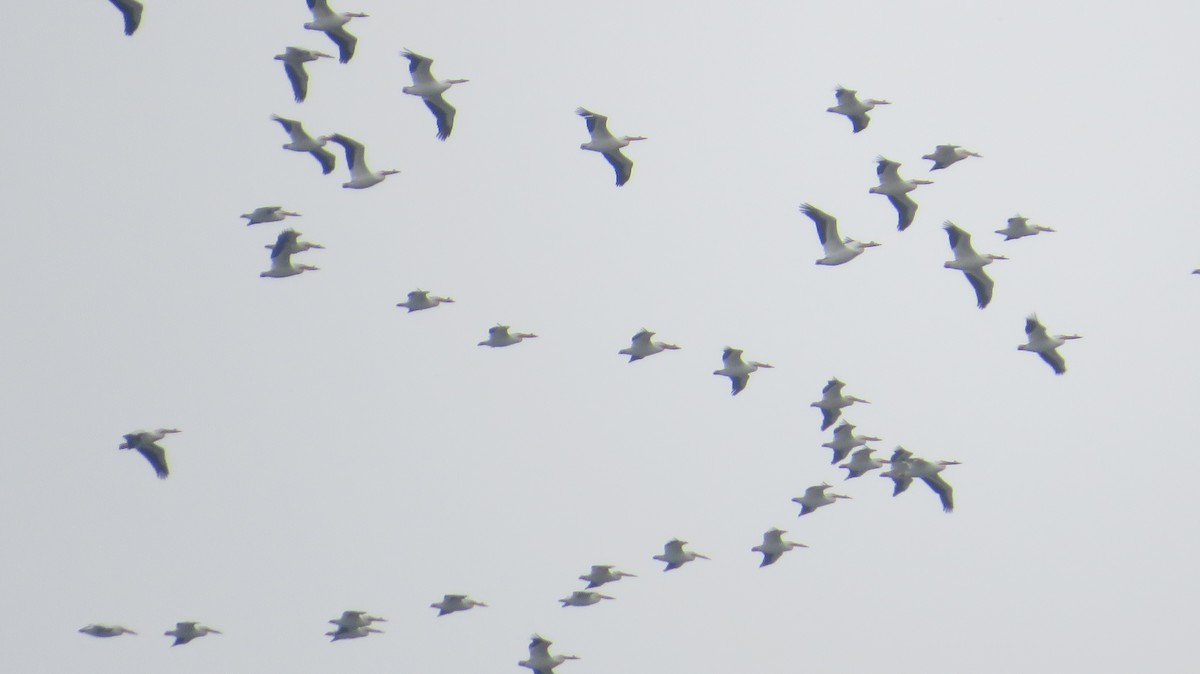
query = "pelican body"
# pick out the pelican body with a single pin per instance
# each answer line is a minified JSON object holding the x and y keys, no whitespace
{"x":333,"y":24}
{"x":361,"y":177}
{"x":607,"y":144}
{"x":1045,"y":345}
{"x":816,"y":497}
{"x":861,"y":463}
{"x":845,"y":440}
{"x":105,"y":631}
{"x":355,"y":619}
{"x":642,"y":346}
{"x":856,"y":110}
{"x":540,"y":660}
{"x":602,"y":574}
{"x":737,"y":369}
{"x":896,"y":189}
{"x":499,"y":336}
{"x":675,"y":556}
{"x":837,"y":250}
{"x":1019,"y":227}
{"x":832,"y":401}
{"x":267,"y":214}
{"x":430,"y":89}
{"x":453,"y":603}
{"x":302,"y":142}
{"x":773,"y":546}
{"x":945,"y":155}
{"x":420,"y":300}
{"x":294,"y":59}
{"x":146,"y":444}
{"x":185,"y":632}
{"x":583,"y":598}
{"x":970,"y":263}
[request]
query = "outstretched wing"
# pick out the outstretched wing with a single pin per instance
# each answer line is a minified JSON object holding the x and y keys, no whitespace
{"x":1054,"y":360}
{"x":622,"y":165}
{"x":906,"y":210}
{"x":943,"y":489}
{"x":983,"y":284}
{"x":298,"y":76}
{"x":444,"y":113}
{"x":157,"y":458}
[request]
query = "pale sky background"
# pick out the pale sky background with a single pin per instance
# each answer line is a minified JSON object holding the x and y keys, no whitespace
{"x":340,"y":454}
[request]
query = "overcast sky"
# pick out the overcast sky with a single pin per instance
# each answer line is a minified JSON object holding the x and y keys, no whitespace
{"x":339,"y":454}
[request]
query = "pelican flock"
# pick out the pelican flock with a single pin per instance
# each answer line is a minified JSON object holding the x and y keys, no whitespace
{"x":607,"y":144}
{"x":430,"y":89}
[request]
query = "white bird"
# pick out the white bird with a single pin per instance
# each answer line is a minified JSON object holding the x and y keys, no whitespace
{"x":132,"y":11}
{"x":896,"y":189}
{"x":837,"y":250}
{"x":1019,"y":226}
{"x":430,"y":89}
{"x":267,"y":214}
{"x":641,"y":346}
{"x":737,"y":369}
{"x":289,"y":241}
{"x":815,"y":497}
{"x":452,"y":603}
{"x":1045,"y":345}
{"x":281,"y":258}
{"x":928,"y":472}
{"x":105,"y":631}
{"x":675,"y":556}
{"x":603,"y":573}
{"x":773,"y":546}
{"x":900,"y":471}
{"x":333,"y":24}
{"x":419,"y":300}
{"x":861,"y":463}
{"x":583,"y":598}
{"x":500,"y":336}
{"x":185,"y":632}
{"x":355,"y":619}
{"x":540,"y":660}
{"x":607,"y":144}
{"x":856,"y":110}
{"x":970,"y":263}
{"x":294,"y":59}
{"x":832,"y":401}
{"x":352,"y":632}
{"x":302,"y":142}
{"x":845,"y":440}
{"x":146,"y":443}
{"x":945,"y":155}
{"x":361,"y":177}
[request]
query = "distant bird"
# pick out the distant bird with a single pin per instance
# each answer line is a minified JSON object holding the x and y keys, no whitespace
{"x":832,"y":401}
{"x":333,"y":24}
{"x":281,"y":258}
{"x":736,"y":369}
{"x":970,"y":263}
{"x":430,"y":89}
{"x":1044,"y":344}
{"x":540,"y":660}
{"x":896,"y":189}
{"x":289,"y":241}
{"x":361,"y":177}
{"x":355,"y":619}
{"x":146,"y":443}
{"x":850,"y":106}
{"x":294,"y":59}
{"x":132,"y":11}
{"x":583,"y":598}
{"x":773,"y":546}
{"x":928,"y":472}
{"x":453,"y":603}
{"x":945,"y":155}
{"x":815,"y":497}
{"x":845,"y":440}
{"x":420,"y":300}
{"x":837,"y":250}
{"x":352,"y":632}
{"x":602,"y":574}
{"x":642,"y":346}
{"x":185,"y":632}
{"x":861,"y":463}
{"x":302,"y":142}
{"x":1019,"y":227}
{"x":900,"y":471}
{"x":675,"y":556}
{"x":607,"y":144}
{"x":105,"y":631}
{"x":499,"y":336}
{"x":267,"y":214}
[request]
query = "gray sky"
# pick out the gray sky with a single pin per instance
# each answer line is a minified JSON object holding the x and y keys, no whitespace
{"x":338,"y":453}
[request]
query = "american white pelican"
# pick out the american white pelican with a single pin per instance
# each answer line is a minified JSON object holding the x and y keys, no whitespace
{"x":603,"y":573}
{"x":896,"y":189}
{"x":294,"y":59}
{"x":583,"y":598}
{"x":419,"y":300}
{"x":900,"y":471}
{"x":281,"y":258}
{"x":945,"y":155}
{"x":352,"y":632}
{"x":861,"y":463}
{"x":736,"y":369}
{"x":289,"y":241}
{"x":361,"y":177}
{"x":105,"y":631}
{"x":145,"y":442}
{"x":333,"y":24}
{"x":815,"y":497}
{"x":302,"y":142}
{"x":267,"y":214}
{"x":1019,"y":226}
{"x":540,"y":660}
{"x":452,"y":603}
{"x":928,"y":472}
{"x":832,"y":401}
{"x":1044,"y":344}
{"x":850,"y":106}
{"x":845,"y":440}
{"x":500,"y":336}
{"x":675,"y":556}
{"x":185,"y":632}
{"x":607,"y":144}
{"x":132,"y":11}
{"x":642,"y":346}
{"x":353,"y":619}
{"x":430,"y":89}
{"x":970,"y":263}
{"x":837,"y":250}
{"x":773,"y":546}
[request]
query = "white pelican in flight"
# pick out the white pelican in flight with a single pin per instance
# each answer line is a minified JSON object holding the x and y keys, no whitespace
{"x":267,"y":214}
{"x":146,"y":443}
{"x":289,"y":241}
{"x":737,"y":369}
{"x":500,"y":336}
{"x":540,"y":660}
{"x":815,"y":497}
{"x":293,"y":64}
{"x":607,"y":144}
{"x":420,"y":300}
{"x":430,"y":89}
{"x":352,"y":632}
{"x":945,"y":155}
{"x":773,"y":546}
{"x":861,"y":463}
{"x":583,"y":598}
{"x":1044,"y":344}
{"x":354,"y":619}
{"x":302,"y":142}
{"x":675,"y":556}
{"x":837,"y":250}
{"x":856,"y":110}
{"x":928,"y":472}
{"x":333,"y":24}
{"x":1019,"y":227}
{"x":361,"y":177}
{"x":900,"y":471}
{"x":281,"y":258}
{"x":132,"y":11}
{"x":970,"y":263}
{"x":896,"y":189}
{"x":603,"y":573}
{"x":185,"y":632}
{"x":845,"y":440}
{"x":642,"y":346}
{"x":452,"y":603}
{"x":832,"y":401}
{"x":105,"y":631}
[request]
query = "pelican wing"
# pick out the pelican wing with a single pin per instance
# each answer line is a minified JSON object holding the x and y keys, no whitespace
{"x":960,"y":240}
{"x":1054,"y":360}
{"x":833,"y":387}
{"x":826,"y":224}
{"x":906,"y":210}
{"x":298,"y":76}
{"x":292,"y":127}
{"x":772,"y":537}
{"x":739,"y":383}
{"x":840,"y":454}
{"x":444,"y":113}
{"x":157,"y":457}
{"x":732,"y":358}
{"x":622,"y":165}
{"x":418,"y":66}
{"x":345,"y":42}
{"x":539,"y":648}
{"x":942,"y":488}
{"x":1035,"y":330}
{"x":355,"y":153}
{"x":640,"y":341}
{"x":828,"y":416}
{"x":982,"y":283}
{"x":769,"y":558}
{"x":673,"y":547}
{"x":887,"y":170}
{"x":597,"y":125}
{"x":859,"y":122}
{"x":326,"y":159}
{"x":285,"y":243}
{"x":132,"y":12}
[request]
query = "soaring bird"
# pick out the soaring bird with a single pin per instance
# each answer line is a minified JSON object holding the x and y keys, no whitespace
{"x":845,"y":440}
{"x":945,"y":155}
{"x":355,"y":619}
{"x":675,"y":556}
{"x":928,"y":472}
{"x":361,"y":177}
{"x":132,"y":11}
{"x":185,"y":632}
{"x":815,"y":497}
{"x":773,"y":546}
{"x":583,"y":598}
{"x":1044,"y":344}
{"x":540,"y":660}
{"x":333,"y":24}
{"x":896,"y":189}
{"x":267,"y":214}
{"x":146,"y":443}
{"x":500,"y":336}
{"x":970,"y":263}
{"x":832,"y":401}
{"x":861,"y":463}
{"x":419,"y":300}
{"x":737,"y":369}
{"x":105,"y":631}
{"x":302,"y":142}
{"x":837,"y":250}
{"x":289,"y":241}
{"x":856,"y":110}
{"x":642,"y":346}
{"x":430,"y":89}
{"x":603,"y":573}
{"x":281,"y":257}
{"x":900,"y":470}
{"x":607,"y":144}
{"x":294,"y":59}
{"x":1018,"y":227}
{"x":453,"y":603}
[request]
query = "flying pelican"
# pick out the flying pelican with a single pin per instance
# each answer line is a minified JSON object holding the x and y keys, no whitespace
{"x":736,"y":369}
{"x":302,"y":142}
{"x":850,"y":106}
{"x":675,"y":556}
{"x":927,"y":472}
{"x":900,"y":471}
{"x":642,"y":346}
{"x":419,"y":300}
{"x":333,"y":24}
{"x":356,"y":619}
{"x":815,"y":497}
{"x":845,"y":440}
{"x":603,"y":573}
{"x":289,"y":241}
{"x":970,"y":263}
{"x":430,"y":89}
{"x":832,"y":401}
{"x":607,"y":144}
{"x":896,"y":189}
{"x":281,"y":258}
{"x":185,"y":632}
{"x":361,"y":177}
{"x":1019,"y":226}
{"x":583,"y":598}
{"x":773,"y":546}
{"x":146,"y":443}
{"x":1045,"y":345}
{"x":456,"y":602}
{"x":267,"y":214}
{"x":861,"y":463}
{"x":105,"y":631}
{"x":540,"y":660}
{"x":499,"y":336}
{"x":293,"y":64}
{"x":132,"y":11}
{"x":837,"y":250}
{"x":945,"y":155}
{"x":352,"y":632}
